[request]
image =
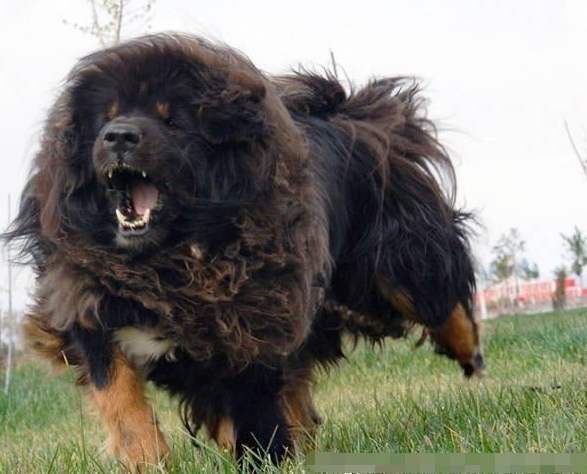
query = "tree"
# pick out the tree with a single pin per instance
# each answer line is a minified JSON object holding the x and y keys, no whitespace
{"x":559,"y":297}
{"x":576,"y":244}
{"x":6,"y":323}
{"x":502,"y":266}
{"x":110,"y":16}
{"x":509,"y":262}
{"x":529,"y":271}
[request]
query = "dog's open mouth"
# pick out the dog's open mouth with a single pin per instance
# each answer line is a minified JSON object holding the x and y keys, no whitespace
{"x":139,"y":198}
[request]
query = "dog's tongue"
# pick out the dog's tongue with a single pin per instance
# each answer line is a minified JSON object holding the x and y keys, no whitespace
{"x":144,"y":196}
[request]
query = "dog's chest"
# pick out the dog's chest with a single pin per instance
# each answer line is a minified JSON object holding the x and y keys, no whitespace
{"x":142,"y":345}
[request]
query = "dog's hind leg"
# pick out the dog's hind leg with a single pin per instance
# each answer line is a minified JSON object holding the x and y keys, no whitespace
{"x":456,"y":336}
{"x":300,"y":412}
{"x":222,"y":430}
{"x":134,"y":436}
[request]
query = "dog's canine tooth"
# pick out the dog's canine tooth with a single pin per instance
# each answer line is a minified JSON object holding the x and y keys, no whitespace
{"x":171,"y":356}
{"x":120,"y":216}
{"x":147,"y":216}
{"x":144,"y":174}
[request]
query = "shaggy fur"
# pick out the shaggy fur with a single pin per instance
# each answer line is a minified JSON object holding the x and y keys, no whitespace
{"x":290,"y":212}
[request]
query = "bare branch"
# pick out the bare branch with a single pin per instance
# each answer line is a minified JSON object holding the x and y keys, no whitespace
{"x":582,"y":161}
{"x":96,"y":28}
{"x":110,"y":17}
{"x":119,"y":21}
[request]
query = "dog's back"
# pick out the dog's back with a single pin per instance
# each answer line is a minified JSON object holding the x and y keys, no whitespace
{"x":399,"y":245}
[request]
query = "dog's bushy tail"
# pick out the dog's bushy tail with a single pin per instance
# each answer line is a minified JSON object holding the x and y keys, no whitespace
{"x":400,"y":184}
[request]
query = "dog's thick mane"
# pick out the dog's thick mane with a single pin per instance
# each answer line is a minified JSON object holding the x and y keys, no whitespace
{"x":270,"y":236}
{"x":51,"y":211}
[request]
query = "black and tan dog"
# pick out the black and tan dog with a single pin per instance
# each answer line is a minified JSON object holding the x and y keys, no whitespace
{"x":217,"y":231}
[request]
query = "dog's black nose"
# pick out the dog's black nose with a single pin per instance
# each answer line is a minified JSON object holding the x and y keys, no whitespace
{"x":121,"y":136}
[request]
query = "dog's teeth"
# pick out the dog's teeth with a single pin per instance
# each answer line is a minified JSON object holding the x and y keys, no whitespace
{"x":144,"y":174}
{"x":138,"y":222}
{"x":196,"y":251}
{"x":110,"y":174}
{"x":170,"y":356}
{"x":120,"y":216}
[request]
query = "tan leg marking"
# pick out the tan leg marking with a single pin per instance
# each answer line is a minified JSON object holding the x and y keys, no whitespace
{"x":459,"y":334}
{"x":223,"y":433}
{"x":300,"y":413}
{"x":43,"y":341}
{"x":134,"y":437}
{"x":403,"y":303}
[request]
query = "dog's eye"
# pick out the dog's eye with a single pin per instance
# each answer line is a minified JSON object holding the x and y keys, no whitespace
{"x":170,"y":122}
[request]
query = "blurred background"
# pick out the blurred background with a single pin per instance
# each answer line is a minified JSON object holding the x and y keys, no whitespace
{"x":506,"y":82}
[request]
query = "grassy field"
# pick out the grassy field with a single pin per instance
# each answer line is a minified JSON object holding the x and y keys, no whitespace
{"x":533,"y":399}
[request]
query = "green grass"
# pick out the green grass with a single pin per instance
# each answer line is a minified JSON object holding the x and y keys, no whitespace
{"x":533,"y":399}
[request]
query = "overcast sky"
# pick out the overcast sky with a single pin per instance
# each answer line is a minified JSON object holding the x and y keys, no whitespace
{"x":502,"y":77}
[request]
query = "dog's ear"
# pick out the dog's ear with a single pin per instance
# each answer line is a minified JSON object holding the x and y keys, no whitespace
{"x":61,"y":167}
{"x":51,"y":179}
{"x":233,"y":112}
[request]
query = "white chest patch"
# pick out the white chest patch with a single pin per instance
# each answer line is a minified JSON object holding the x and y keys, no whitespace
{"x":142,"y":345}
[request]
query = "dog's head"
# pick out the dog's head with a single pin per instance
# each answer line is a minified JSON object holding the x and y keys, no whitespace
{"x":152,"y":135}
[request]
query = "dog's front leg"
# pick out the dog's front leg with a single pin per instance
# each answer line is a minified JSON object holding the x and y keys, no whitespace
{"x":257,"y":413}
{"x":135,"y":438}
{"x":117,"y":390}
